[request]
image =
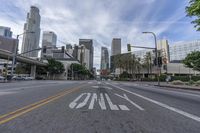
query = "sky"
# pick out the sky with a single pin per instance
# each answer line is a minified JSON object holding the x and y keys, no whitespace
{"x":102,"y":20}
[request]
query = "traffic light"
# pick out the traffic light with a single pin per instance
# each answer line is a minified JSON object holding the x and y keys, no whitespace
{"x":159,"y":61}
{"x":5,"y":65}
{"x":155,"y":62}
{"x":63,"y":49}
{"x":44,"y":49}
{"x":129,"y":47}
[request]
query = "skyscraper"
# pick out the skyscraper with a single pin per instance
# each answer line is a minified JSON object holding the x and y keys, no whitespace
{"x":88,"y":43}
{"x":5,"y":31}
{"x":116,"y":46}
{"x":104,"y":58}
{"x":49,"y":40}
{"x":31,"y":40}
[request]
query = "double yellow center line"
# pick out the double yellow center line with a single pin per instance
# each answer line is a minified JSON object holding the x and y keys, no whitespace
{"x":12,"y":115}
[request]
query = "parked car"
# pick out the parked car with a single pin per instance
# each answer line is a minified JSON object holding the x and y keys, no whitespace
{"x":2,"y":78}
{"x":30,"y":78}
{"x":17,"y":78}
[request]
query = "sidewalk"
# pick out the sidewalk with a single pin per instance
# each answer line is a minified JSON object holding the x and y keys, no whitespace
{"x":164,"y":84}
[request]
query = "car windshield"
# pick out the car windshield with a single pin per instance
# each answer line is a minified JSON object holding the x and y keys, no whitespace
{"x":99,"y":66}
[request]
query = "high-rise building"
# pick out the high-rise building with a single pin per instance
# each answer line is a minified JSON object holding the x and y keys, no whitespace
{"x":88,"y":43}
{"x":104,"y":58}
{"x":49,"y":40}
{"x":69,"y":49}
{"x":75,"y":52}
{"x":84,"y":56}
{"x":116,"y":46}
{"x":163,"y":47}
{"x":31,"y":40}
{"x":5,"y":31}
{"x":179,"y":51}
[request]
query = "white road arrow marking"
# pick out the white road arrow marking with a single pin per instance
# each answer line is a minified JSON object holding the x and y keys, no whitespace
{"x":112,"y":106}
{"x":191,"y":116}
{"x":124,"y":107}
{"x":126,"y":98}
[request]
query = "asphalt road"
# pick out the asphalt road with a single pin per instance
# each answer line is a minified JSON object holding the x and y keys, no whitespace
{"x":96,"y":107}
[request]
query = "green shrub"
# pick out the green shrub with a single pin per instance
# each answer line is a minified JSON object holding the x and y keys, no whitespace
{"x":195,"y":78}
{"x":191,"y":82}
{"x":177,"y":82}
{"x":181,"y":78}
{"x":163,"y":77}
{"x":197,"y":83}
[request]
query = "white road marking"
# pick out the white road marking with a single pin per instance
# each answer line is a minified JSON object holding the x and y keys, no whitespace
{"x":6,"y":93}
{"x":74,"y":103}
{"x":112,"y":106}
{"x":124,"y":107}
{"x":106,"y":87}
{"x":191,"y":116}
{"x":102,"y":102}
{"x":26,"y":87}
{"x":82,"y":104}
{"x":171,"y":91}
{"x":126,"y":98}
{"x":94,"y":98}
{"x":95,"y":86}
{"x":90,"y":82}
{"x":98,"y":82}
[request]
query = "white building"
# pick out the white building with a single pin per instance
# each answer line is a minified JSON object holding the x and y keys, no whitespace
{"x":179,"y":51}
{"x":5,"y":31}
{"x":116,"y":46}
{"x":31,"y":40}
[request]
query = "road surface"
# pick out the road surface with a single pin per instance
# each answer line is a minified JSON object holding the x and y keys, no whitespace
{"x":96,"y":107}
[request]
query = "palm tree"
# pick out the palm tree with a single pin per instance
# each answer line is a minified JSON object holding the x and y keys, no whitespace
{"x":148,"y":62}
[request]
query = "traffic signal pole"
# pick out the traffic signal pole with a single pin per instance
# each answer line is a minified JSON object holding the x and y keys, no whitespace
{"x":156,"y":54}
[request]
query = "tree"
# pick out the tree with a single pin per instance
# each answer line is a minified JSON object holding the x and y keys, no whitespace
{"x":80,"y":71}
{"x":194,"y":10}
{"x":193,"y":60}
{"x":55,"y":67}
{"x":148,"y":62}
{"x":22,"y":68}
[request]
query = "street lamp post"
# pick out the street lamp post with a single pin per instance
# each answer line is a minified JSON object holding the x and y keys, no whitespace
{"x":156,"y":53}
{"x":15,"y":51}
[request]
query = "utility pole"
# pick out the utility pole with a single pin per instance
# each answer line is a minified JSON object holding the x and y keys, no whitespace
{"x":15,"y":52}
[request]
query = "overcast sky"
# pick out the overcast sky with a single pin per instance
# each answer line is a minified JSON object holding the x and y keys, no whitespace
{"x":102,"y":20}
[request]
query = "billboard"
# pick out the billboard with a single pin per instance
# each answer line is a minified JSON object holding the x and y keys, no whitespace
{"x":8,"y":44}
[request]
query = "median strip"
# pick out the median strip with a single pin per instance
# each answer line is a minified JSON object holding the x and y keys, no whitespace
{"x":9,"y":116}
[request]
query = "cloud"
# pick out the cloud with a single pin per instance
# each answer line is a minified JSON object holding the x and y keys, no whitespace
{"x":103,"y":20}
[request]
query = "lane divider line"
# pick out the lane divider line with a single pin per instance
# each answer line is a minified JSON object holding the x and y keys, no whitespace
{"x":9,"y":116}
{"x":191,"y":116}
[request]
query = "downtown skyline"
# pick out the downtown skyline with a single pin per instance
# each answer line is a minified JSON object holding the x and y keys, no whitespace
{"x":102,"y":22}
